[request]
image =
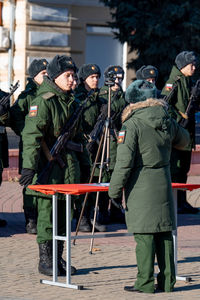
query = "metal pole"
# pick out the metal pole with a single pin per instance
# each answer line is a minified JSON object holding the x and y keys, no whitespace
{"x":68,"y":232}
{"x":125,"y":50}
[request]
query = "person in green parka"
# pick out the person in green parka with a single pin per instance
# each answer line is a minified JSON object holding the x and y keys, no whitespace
{"x":142,"y":170}
{"x":180,"y":76}
{"x":113,"y":76}
{"x":3,"y":143}
{"x":49,"y":112}
{"x":88,"y":76}
{"x":18,"y":113}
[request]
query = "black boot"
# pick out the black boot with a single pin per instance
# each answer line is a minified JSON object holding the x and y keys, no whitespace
{"x":62,"y":262}
{"x":31,"y":219}
{"x":46,"y":259}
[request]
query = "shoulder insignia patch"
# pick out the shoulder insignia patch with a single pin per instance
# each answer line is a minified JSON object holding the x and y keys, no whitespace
{"x":48,"y":95}
{"x":121,"y":137}
{"x":168,"y":86}
{"x":33,"y":111}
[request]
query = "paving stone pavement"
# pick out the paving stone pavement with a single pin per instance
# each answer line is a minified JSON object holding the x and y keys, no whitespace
{"x":104,"y":273}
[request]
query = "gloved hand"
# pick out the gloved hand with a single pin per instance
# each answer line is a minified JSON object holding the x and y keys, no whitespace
{"x":117,"y":203}
{"x":26,"y":177}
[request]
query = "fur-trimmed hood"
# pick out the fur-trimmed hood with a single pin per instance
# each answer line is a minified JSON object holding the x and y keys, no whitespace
{"x":127,"y":112}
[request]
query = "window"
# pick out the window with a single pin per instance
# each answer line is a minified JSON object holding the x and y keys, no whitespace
{"x":50,"y":14}
{"x":45,"y":38}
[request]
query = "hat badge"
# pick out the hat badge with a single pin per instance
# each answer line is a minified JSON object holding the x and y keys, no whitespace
{"x":44,"y":63}
{"x":93,"y":67}
{"x":152,"y":72}
{"x":115,"y":69}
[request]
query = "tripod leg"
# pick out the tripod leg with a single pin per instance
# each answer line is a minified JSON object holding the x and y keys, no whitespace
{"x":90,"y":181}
{"x":99,"y":181}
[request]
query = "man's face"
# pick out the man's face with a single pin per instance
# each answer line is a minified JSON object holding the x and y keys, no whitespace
{"x":65,"y":80}
{"x":152,"y":80}
{"x":118,"y":82}
{"x":39,"y":77}
{"x":91,"y":82}
{"x":188,"y":70}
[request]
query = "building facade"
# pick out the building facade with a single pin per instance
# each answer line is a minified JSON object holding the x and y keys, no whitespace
{"x":44,"y":28}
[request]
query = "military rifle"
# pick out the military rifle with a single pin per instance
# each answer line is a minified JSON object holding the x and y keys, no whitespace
{"x":193,"y":105}
{"x":63,"y":141}
{"x":6,"y":99}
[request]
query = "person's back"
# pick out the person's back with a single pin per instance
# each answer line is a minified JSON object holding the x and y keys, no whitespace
{"x":142,"y":169}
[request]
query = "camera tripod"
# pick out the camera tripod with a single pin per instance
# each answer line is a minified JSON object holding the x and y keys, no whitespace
{"x":104,"y":150}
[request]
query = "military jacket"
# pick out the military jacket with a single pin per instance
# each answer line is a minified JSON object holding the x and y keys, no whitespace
{"x":92,"y":108}
{"x":21,"y":106}
{"x":179,"y":100}
{"x":48,"y":114}
{"x":143,"y":166}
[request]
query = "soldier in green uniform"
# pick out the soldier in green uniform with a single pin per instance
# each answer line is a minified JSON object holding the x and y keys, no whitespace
{"x":88,"y":76}
{"x":18,"y":112}
{"x":49,"y":112}
{"x":142,"y":169}
{"x":180,"y":76}
{"x":148,"y":73}
{"x":3,"y":143}
{"x":113,"y":75}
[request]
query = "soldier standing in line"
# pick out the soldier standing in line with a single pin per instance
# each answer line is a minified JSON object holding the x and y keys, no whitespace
{"x":53,"y":107}
{"x":148,"y":73}
{"x":142,"y":169}
{"x":3,"y":144}
{"x":88,"y":76}
{"x":184,"y":68}
{"x":113,"y":74}
{"x":18,"y":112}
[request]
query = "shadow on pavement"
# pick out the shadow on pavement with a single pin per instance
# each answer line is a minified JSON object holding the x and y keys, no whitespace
{"x":15,"y":224}
{"x":187,"y":219}
{"x":95,"y":270}
{"x":188,"y":287}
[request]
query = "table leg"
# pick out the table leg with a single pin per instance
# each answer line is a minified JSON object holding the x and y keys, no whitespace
{"x":68,"y":245}
{"x":174,"y":233}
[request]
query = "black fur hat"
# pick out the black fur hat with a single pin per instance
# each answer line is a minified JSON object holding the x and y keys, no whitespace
{"x":60,"y":64}
{"x":114,"y":70}
{"x":87,"y":70}
{"x":37,"y":66}
{"x":146,"y":72}
{"x":185,"y":58}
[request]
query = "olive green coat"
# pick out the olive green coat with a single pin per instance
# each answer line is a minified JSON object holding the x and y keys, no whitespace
{"x":180,"y":98}
{"x":51,"y":110}
{"x":142,"y":167}
{"x":20,"y":108}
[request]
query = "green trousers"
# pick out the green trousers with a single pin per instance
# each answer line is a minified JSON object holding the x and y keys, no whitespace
{"x":148,"y":247}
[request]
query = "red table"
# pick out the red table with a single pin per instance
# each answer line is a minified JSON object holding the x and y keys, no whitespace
{"x":77,"y":189}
